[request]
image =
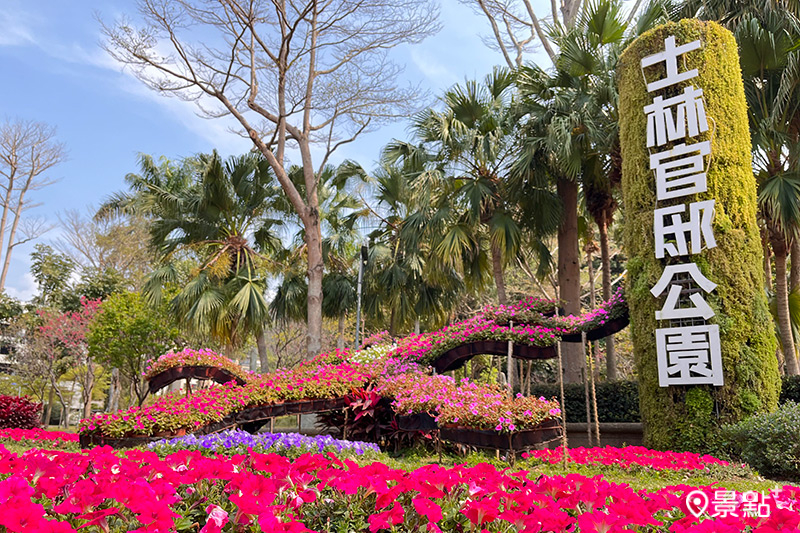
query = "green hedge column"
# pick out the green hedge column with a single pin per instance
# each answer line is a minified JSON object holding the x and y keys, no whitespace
{"x":685,"y":417}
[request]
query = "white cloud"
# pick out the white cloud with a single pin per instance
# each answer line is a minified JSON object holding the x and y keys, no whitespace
{"x":23,"y":288}
{"x":427,"y":63}
{"x":15,"y":27}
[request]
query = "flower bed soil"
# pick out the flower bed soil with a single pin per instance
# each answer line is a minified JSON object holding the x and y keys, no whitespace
{"x":170,"y":375}
{"x":458,"y":356}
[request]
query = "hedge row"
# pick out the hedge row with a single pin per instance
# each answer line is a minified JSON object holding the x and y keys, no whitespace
{"x":618,"y":401}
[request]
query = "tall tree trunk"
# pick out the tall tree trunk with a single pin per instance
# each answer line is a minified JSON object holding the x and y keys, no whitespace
{"x":782,"y":297}
{"x":261,"y":343}
{"x":51,"y":397}
{"x":794,"y":276}
{"x":569,"y":273}
{"x":605,"y":262}
{"x":115,"y":391}
{"x":497,"y":271}
{"x":11,"y":234}
{"x":340,"y":339}
{"x":767,"y":264}
{"x":88,"y":391}
{"x":315,"y":273}
{"x":416,"y":325}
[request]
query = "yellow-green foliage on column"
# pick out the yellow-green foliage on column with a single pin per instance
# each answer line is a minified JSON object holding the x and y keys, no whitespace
{"x":686,"y":417}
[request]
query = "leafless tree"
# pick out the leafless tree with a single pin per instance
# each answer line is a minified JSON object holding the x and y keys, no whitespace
{"x":117,"y":243}
{"x":297,"y":75}
{"x":517,"y":29}
{"x":28,"y":150}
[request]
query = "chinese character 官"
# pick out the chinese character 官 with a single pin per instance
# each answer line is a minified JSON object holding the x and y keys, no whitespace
{"x":681,"y":170}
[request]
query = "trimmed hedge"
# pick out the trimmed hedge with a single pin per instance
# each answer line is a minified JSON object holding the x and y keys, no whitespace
{"x":617,"y":401}
{"x":768,"y":442}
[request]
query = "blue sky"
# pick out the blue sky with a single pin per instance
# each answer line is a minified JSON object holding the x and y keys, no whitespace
{"x":55,"y":71}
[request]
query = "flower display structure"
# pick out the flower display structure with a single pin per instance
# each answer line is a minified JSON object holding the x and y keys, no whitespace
{"x":425,"y":348}
{"x":174,"y":411}
{"x":611,"y":309}
{"x":467,"y":404}
{"x":238,"y":441}
{"x":191,"y":357}
{"x":336,"y":374}
{"x":99,"y":490}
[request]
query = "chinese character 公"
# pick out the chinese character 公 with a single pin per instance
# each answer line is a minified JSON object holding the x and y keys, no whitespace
{"x":689,"y":355}
{"x":663,"y":125}
{"x":670,"y":309}
{"x":670,"y":57}
{"x":680,"y":171}
{"x":698,"y":226}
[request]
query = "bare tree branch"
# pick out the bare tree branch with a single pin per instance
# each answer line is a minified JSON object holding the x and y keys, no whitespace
{"x":28,"y":150}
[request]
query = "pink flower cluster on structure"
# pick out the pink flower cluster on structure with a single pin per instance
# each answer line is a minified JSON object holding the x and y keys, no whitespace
{"x":192,"y":357}
{"x":466,"y":403}
{"x":98,"y":490}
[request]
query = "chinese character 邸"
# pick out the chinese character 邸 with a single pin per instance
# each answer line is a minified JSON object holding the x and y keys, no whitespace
{"x":698,"y":227}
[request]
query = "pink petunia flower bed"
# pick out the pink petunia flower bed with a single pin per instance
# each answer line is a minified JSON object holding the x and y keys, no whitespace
{"x":101,"y":491}
{"x":627,"y":457}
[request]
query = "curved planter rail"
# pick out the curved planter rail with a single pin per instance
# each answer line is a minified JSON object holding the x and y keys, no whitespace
{"x":601,"y":332}
{"x":244,"y":417}
{"x":519,"y":440}
{"x":458,"y":356}
{"x":170,"y":375}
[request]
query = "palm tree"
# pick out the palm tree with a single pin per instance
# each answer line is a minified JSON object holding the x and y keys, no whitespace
{"x":221,"y":220}
{"x":473,"y":137}
{"x":570,"y":134}
{"x":404,"y":274}
{"x":340,"y":211}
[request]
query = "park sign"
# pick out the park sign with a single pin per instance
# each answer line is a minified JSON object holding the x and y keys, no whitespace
{"x":687,"y":354}
{"x":702,"y":334}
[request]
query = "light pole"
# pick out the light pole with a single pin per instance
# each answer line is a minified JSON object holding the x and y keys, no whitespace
{"x":361,"y":264}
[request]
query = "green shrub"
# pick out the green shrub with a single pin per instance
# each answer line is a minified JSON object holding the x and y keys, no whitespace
{"x":770,"y":443}
{"x":617,"y":401}
{"x":790,"y":389}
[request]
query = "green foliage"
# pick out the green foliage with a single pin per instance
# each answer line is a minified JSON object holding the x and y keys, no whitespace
{"x":617,"y":401}
{"x":768,"y":442}
{"x":52,"y":271}
{"x":127,"y":332}
{"x":790,"y":391}
{"x":747,"y":335}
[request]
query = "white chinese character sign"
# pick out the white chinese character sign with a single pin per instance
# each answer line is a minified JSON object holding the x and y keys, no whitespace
{"x":702,"y":335}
